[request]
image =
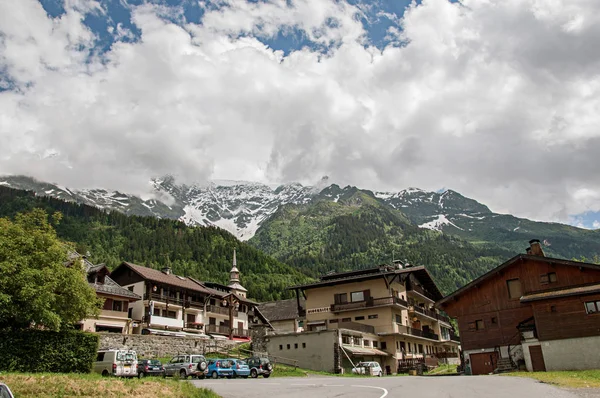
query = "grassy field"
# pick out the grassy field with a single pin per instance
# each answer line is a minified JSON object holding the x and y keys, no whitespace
{"x":52,"y":385}
{"x":443,"y":370}
{"x":567,"y":378}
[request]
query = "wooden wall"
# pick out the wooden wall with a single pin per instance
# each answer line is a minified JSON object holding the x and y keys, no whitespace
{"x":570,"y":319}
{"x":490,"y":299}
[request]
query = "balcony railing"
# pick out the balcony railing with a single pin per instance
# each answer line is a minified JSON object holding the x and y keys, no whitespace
{"x":220,"y":310}
{"x":454,"y":337}
{"x":164,"y":321}
{"x":419,"y":290}
{"x":443,"y":318}
{"x":361,"y":327}
{"x":413,"y":306}
{"x":219,"y":329}
{"x":238,"y":332}
{"x":371,"y":302}
{"x":417,"y":332}
{"x":163,"y":298}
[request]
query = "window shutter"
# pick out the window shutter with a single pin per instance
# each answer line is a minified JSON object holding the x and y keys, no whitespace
{"x":367,"y":294}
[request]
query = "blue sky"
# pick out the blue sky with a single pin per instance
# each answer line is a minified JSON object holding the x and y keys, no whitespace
{"x":380,"y":94}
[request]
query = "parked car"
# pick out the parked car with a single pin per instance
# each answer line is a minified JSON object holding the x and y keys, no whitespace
{"x":368,"y":368}
{"x":121,"y":363}
{"x":186,"y":366}
{"x":5,"y":391}
{"x":240,"y":368}
{"x":259,"y":367}
{"x":150,"y":367}
{"x":220,"y":368}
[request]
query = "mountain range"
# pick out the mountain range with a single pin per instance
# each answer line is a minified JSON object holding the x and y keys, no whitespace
{"x":325,"y":227}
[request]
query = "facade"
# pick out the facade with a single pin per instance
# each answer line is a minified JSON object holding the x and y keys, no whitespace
{"x":115,"y":316}
{"x":384,"y":314}
{"x":533,"y":311}
{"x":283,"y":315}
{"x":174,"y":304}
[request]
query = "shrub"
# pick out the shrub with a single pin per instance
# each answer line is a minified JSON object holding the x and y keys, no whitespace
{"x":46,"y":351}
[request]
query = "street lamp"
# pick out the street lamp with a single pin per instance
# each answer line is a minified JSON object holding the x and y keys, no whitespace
{"x":230,"y":302}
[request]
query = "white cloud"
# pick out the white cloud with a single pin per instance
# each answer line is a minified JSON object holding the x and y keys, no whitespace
{"x":496,"y":99}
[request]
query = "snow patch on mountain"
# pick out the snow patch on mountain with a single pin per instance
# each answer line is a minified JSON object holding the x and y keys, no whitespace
{"x":437,"y":224}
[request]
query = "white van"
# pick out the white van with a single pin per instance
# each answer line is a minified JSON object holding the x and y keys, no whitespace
{"x":121,"y":363}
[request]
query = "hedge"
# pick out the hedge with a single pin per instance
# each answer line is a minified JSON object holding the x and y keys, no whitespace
{"x":45,"y":351}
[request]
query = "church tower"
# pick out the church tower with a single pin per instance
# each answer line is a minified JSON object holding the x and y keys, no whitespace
{"x":234,"y":279}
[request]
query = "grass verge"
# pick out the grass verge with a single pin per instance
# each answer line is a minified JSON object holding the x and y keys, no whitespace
{"x":566,"y":378}
{"x":54,"y":385}
{"x":443,"y":370}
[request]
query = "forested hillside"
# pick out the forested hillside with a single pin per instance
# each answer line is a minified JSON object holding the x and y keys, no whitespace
{"x":201,"y":252}
{"x":359,"y":231}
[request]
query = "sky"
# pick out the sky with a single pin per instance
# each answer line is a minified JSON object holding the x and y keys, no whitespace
{"x":496,"y":99}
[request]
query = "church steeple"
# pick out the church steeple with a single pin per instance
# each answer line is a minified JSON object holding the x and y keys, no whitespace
{"x":234,"y":279}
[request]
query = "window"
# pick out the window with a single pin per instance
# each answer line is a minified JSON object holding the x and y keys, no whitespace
{"x":494,"y":320}
{"x":172,"y":314}
{"x":333,"y":321}
{"x":280,"y":346}
{"x":130,"y":288}
{"x":346,"y":319}
{"x":156,"y":311}
{"x":592,"y":307}
{"x":357,"y":296}
{"x":346,"y":340}
{"x":550,"y":277}
{"x":340,"y":298}
{"x":357,"y":341}
{"x":117,"y":306}
{"x":100,"y":357}
{"x":552,"y":308}
{"x":288,"y":346}
{"x":514,"y":288}
{"x":398,"y":319}
{"x":374,"y":316}
{"x":479,"y":324}
{"x":383,"y":345}
{"x":359,"y":318}
{"x":303,"y":345}
{"x":300,"y":324}
{"x":295,"y":346}
{"x":375,"y":344}
{"x":367,"y":343}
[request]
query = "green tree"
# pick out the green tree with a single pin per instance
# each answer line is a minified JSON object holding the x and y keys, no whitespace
{"x":38,"y":285}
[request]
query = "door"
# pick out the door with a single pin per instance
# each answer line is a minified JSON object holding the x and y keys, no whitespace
{"x":537,"y":358}
{"x":483,"y":363}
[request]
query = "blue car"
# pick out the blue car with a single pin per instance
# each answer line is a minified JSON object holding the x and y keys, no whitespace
{"x":240,"y":368}
{"x":220,"y":368}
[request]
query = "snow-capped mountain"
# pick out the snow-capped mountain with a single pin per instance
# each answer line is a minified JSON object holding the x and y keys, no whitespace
{"x":242,"y":207}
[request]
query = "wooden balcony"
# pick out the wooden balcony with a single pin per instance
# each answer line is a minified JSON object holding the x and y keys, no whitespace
{"x":220,"y":310}
{"x":217,"y":329}
{"x":415,"y":308}
{"x":417,"y":333}
{"x":369,"y":303}
{"x":419,"y":290}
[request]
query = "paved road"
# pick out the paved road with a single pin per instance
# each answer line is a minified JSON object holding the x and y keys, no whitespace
{"x":386,"y":387}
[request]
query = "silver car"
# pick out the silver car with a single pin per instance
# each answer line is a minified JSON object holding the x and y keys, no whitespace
{"x":5,"y":391}
{"x":187,"y":365}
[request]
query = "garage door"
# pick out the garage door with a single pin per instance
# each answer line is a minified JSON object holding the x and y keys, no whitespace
{"x":483,"y":363}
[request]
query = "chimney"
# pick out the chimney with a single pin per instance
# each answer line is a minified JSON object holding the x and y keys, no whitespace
{"x":536,"y":248}
{"x":167,"y":270}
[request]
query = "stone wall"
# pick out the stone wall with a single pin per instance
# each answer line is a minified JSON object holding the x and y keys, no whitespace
{"x":259,"y":343}
{"x":153,"y":346}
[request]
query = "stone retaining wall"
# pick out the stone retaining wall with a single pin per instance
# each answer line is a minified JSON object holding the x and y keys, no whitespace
{"x":153,"y":346}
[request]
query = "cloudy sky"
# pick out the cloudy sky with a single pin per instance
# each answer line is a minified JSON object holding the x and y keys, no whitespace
{"x":497,"y":99}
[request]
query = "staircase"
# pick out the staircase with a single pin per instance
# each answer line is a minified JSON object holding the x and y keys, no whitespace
{"x":504,"y":365}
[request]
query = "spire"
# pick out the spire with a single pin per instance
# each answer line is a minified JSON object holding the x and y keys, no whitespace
{"x":234,"y":274}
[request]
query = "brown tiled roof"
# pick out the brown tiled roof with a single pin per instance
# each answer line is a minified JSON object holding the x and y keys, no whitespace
{"x":280,"y":310}
{"x":168,"y":279}
{"x":564,"y":292}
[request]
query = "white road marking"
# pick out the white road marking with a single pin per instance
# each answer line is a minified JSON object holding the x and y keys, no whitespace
{"x":385,"y":392}
{"x":307,"y":385}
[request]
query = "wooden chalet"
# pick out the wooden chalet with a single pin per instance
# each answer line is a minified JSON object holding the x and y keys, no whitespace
{"x":532,"y":312}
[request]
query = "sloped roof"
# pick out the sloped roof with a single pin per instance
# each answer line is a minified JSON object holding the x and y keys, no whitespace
{"x":113,"y":288}
{"x":168,"y":279}
{"x":420,"y":272}
{"x":509,"y":263}
{"x":280,"y":310}
{"x":564,"y":292}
